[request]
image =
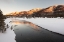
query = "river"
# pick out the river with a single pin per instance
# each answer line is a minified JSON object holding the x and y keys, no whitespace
{"x":26,"y":31}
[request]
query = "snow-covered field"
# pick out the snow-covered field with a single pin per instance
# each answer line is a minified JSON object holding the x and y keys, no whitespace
{"x":52,"y":24}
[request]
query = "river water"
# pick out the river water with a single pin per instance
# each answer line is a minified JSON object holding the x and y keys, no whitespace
{"x":25,"y":31}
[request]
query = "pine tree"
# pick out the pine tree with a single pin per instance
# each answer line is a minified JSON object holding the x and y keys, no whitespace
{"x":1,"y":15}
{"x":2,"y":23}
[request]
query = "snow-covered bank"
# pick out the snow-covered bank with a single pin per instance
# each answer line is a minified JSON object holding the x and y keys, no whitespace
{"x":52,"y":24}
{"x":9,"y":35}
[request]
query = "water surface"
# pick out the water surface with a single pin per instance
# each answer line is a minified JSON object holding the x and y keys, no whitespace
{"x":28,"y":32}
{"x":25,"y":31}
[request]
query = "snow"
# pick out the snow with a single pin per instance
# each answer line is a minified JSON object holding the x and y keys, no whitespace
{"x":9,"y":35}
{"x":52,"y":24}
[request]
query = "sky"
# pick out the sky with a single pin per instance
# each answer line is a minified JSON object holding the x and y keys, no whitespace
{"x":8,"y":6}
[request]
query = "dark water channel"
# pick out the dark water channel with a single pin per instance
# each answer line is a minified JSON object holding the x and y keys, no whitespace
{"x":28,"y":32}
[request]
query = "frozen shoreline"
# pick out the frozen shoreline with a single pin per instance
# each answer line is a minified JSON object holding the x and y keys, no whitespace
{"x":52,"y":24}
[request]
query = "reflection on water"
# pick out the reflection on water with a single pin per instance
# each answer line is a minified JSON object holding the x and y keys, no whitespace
{"x":28,"y":32}
{"x":25,"y":23}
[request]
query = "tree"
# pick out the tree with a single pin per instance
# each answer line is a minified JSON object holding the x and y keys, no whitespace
{"x":1,"y":15}
{"x":2,"y":23}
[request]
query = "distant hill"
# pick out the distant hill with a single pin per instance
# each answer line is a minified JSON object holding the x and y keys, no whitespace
{"x":25,"y":12}
{"x":51,"y":11}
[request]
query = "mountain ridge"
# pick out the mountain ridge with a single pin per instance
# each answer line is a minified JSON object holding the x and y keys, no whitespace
{"x":55,"y":10}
